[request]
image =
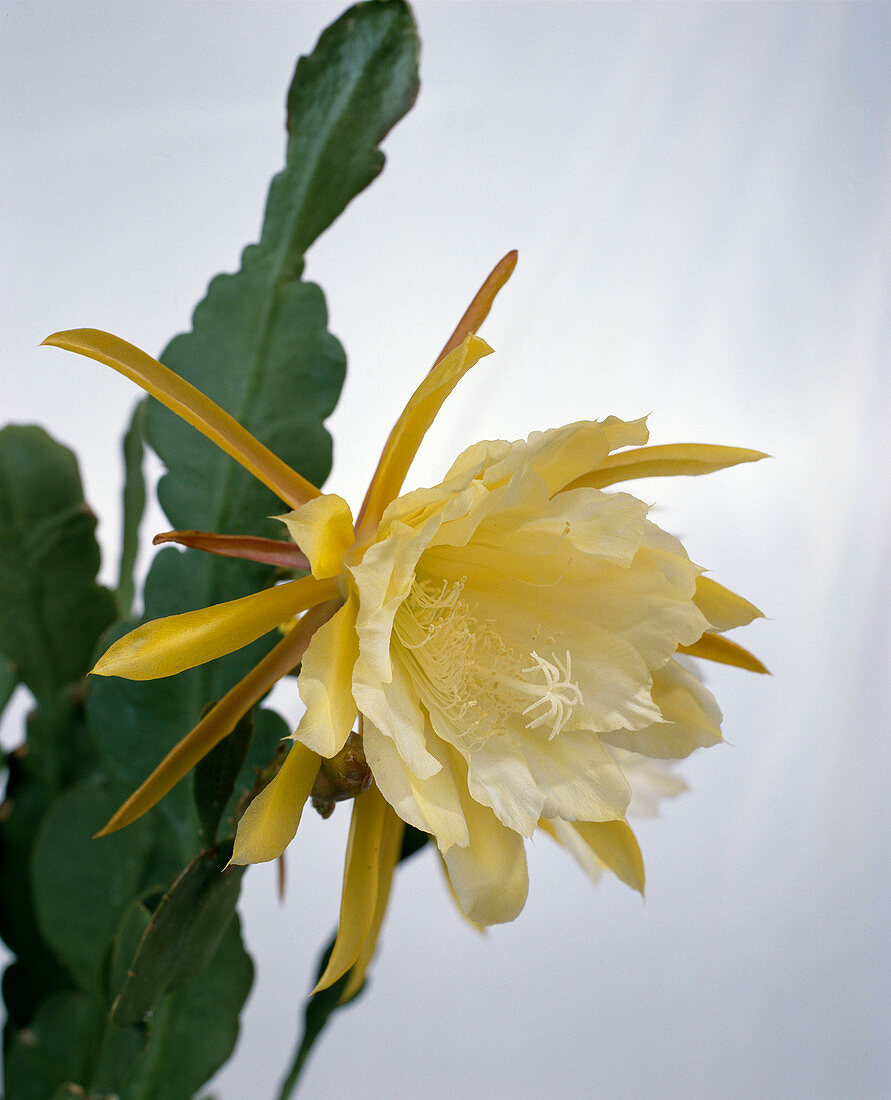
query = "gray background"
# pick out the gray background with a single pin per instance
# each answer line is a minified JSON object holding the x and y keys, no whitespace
{"x":700,"y":200}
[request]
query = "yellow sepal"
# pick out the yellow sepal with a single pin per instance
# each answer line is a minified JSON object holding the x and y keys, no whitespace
{"x":323,"y":529}
{"x":668,"y":460}
{"x":715,"y":647}
{"x":270,"y":822}
{"x":388,"y":857}
{"x":411,"y":427}
{"x":221,"y":719}
{"x":192,"y":406}
{"x":167,"y":646}
{"x":361,"y":883}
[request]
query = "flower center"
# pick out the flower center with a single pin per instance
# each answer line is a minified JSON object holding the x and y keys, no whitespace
{"x":463,"y":668}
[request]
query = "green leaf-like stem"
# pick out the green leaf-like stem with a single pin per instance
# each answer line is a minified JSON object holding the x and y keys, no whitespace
{"x":259,"y":345}
{"x":134,"y":505}
{"x":183,"y":933}
{"x":51,"y":608}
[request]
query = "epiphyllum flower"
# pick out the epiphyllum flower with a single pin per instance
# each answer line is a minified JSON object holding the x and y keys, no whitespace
{"x":508,"y":640}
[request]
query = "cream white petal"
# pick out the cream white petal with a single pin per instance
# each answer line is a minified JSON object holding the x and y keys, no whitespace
{"x":669,"y":554}
{"x":500,"y":777}
{"x":472,"y":463}
{"x":523,"y":775}
{"x":691,"y":716}
{"x":489,"y":874}
{"x":580,"y":779}
{"x":560,"y":455}
{"x":613,"y":676}
{"x":641,"y":605}
{"x":625,"y":433}
{"x":605,"y":526}
{"x":432,"y":804}
{"x":484,"y":511}
{"x":651,"y":781}
{"x":516,"y":641}
{"x":394,"y":709}
{"x":618,"y":621}
{"x":382,"y":580}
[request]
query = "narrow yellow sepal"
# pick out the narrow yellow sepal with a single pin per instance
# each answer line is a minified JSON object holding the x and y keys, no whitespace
{"x":412,"y":426}
{"x":221,"y":720}
{"x":478,"y":310}
{"x":270,"y":822}
{"x":191,"y":404}
{"x":715,"y":647}
{"x":667,"y":460}
{"x":167,"y":646}
{"x":361,"y":884}
{"x":450,"y":366}
{"x":388,"y":857}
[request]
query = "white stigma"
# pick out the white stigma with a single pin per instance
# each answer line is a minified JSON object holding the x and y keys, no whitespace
{"x":463,"y":668}
{"x":558,"y":695}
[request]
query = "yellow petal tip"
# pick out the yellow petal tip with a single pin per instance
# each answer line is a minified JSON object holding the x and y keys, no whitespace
{"x":67,"y":338}
{"x":111,"y":826}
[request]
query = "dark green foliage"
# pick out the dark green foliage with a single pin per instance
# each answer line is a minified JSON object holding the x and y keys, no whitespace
{"x":8,"y":681}
{"x":259,"y":345}
{"x":183,"y":933}
{"x":59,"y":1046}
{"x":36,"y":973}
{"x":413,"y":840}
{"x":230,"y":772}
{"x":115,"y":1058}
{"x":191,"y":1033}
{"x":136,"y":723}
{"x":51,"y":609}
{"x":128,"y":937}
{"x":214,"y":779}
{"x":70,"y":871}
{"x":51,"y":613}
{"x":133,"y":506}
{"x":194,"y":1027}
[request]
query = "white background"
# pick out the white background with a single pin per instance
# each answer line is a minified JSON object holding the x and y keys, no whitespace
{"x":699,"y":196}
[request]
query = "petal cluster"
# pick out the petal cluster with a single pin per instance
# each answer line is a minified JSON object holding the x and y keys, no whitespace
{"x":504,"y":637}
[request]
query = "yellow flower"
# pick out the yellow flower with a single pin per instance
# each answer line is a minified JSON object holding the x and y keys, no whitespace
{"x":501,"y":636}
{"x":508,"y":641}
